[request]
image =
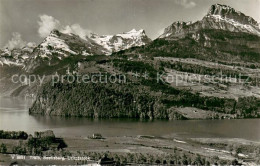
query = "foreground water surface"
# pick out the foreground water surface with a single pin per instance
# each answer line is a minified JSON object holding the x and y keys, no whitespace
{"x":14,"y":116}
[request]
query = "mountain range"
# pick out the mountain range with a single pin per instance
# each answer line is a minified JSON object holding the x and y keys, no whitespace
{"x":224,"y":42}
{"x":59,"y":45}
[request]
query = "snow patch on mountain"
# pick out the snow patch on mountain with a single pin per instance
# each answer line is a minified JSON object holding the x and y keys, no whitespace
{"x":10,"y":61}
{"x":236,"y":24}
{"x":53,"y":43}
{"x":114,"y":43}
{"x":16,"y":56}
{"x":85,"y":53}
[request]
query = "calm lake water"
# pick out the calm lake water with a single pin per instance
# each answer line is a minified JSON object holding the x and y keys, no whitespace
{"x":14,"y":116}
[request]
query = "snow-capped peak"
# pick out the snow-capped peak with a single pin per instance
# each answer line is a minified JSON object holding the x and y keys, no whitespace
{"x":132,"y":34}
{"x":58,"y":45}
{"x":132,"y":31}
{"x":122,"y":41}
{"x":54,"y":44}
{"x":61,"y":44}
{"x":135,"y":31}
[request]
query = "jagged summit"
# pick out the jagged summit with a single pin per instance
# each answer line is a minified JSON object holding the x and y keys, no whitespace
{"x":174,"y":28}
{"x":219,"y":9}
{"x":218,"y":17}
{"x":228,"y":12}
{"x":134,"y":31}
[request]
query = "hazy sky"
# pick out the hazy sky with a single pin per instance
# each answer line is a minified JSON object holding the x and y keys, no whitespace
{"x":24,"y":21}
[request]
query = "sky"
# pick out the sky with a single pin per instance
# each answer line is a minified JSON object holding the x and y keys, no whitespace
{"x":23,"y":21}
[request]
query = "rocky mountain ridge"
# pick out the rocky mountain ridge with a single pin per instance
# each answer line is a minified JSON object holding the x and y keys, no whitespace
{"x":221,"y":17}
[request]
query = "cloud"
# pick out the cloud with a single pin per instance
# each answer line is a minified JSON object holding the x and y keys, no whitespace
{"x":76,"y":29}
{"x":47,"y":24}
{"x":16,"y":41}
{"x":31,"y":44}
{"x":185,"y":3}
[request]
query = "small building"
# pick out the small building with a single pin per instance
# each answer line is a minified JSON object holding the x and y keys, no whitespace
{"x":97,"y":136}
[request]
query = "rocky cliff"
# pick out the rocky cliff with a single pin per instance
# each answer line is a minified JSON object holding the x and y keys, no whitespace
{"x":219,"y":17}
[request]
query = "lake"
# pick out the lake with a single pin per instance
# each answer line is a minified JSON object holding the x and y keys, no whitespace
{"x":14,"y":116}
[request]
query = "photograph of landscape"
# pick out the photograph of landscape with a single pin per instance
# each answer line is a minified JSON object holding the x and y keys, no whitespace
{"x":130,"y":82}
